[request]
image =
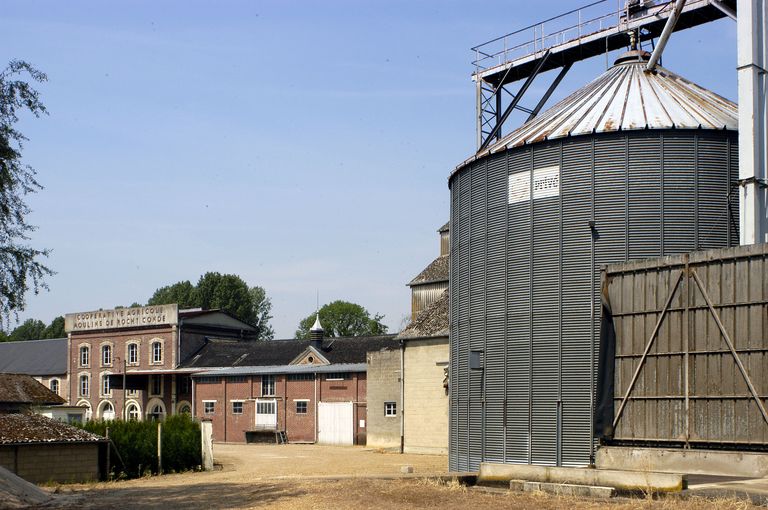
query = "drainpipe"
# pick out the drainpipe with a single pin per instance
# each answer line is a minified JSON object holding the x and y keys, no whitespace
{"x":664,"y":37}
{"x":402,"y":395}
{"x":315,"y":407}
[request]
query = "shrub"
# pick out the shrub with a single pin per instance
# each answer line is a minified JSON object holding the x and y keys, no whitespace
{"x":136,"y":444}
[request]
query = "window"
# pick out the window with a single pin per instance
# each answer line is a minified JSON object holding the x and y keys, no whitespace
{"x":301,"y":406}
{"x":157,"y":413}
{"x":133,"y":354}
{"x":133,"y":393}
{"x":184,"y":384}
{"x":185,"y":409}
{"x":267,"y":385}
{"x":336,"y":376}
{"x":301,"y":377}
{"x":85,"y":356}
{"x":236,"y":379}
{"x":210,"y":379}
{"x":54,"y":385}
{"x":107,"y":411}
{"x":269,"y":407}
{"x":84,"y":386}
{"x":156,"y":385}
{"x":106,"y":389}
{"x":132,"y":412}
{"x":157,"y":352}
{"x":209,"y":406}
{"x":106,"y":355}
{"x":237,"y":407}
{"x":390,"y":408}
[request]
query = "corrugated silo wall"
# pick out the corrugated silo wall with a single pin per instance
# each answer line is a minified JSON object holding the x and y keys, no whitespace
{"x":525,"y":276}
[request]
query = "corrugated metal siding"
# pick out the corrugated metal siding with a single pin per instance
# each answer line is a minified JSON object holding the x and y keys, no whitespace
{"x":525,"y":283}
{"x":722,"y":411}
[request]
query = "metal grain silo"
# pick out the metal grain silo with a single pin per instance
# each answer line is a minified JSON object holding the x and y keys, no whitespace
{"x":633,"y":165}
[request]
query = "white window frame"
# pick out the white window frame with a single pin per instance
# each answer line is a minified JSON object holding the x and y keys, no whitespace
{"x":55,"y":382}
{"x":105,"y":389}
{"x":334,"y":376}
{"x":272,"y":384}
{"x":304,"y":401}
{"x":390,"y":412}
{"x":132,"y":404}
{"x":84,"y":390}
{"x":84,"y":357}
{"x":205,"y":407}
{"x":106,"y":348}
{"x":242,"y":406}
{"x":128,"y":354}
{"x":153,"y":359}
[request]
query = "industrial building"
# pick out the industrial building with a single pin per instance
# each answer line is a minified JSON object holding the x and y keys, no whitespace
{"x":638,"y":163}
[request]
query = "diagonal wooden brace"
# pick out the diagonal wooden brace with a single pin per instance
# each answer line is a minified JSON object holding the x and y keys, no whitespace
{"x":728,"y":341}
{"x":648,"y":346}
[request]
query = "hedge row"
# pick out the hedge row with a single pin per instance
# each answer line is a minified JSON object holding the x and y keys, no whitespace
{"x":136,"y":444}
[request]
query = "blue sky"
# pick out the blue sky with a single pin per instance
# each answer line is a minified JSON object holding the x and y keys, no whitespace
{"x":304,"y":146}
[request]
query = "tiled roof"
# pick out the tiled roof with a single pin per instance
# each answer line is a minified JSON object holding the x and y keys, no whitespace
{"x":430,"y":322}
{"x":23,"y":389}
{"x":34,"y":357}
{"x":219,"y":352}
{"x":34,"y":428}
{"x":437,"y":271}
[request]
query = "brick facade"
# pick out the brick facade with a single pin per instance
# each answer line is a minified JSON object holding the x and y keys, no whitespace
{"x":229,"y":426}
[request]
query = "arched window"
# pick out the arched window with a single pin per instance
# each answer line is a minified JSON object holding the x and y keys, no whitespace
{"x":106,"y":355}
{"x":157,"y":352}
{"x":133,"y":412}
{"x":85,"y":356}
{"x":85,"y":386}
{"x":156,"y":410}
{"x":133,"y":354}
{"x":107,"y":411}
{"x":185,"y":409}
{"x":88,"y":411}
{"x":54,"y":385}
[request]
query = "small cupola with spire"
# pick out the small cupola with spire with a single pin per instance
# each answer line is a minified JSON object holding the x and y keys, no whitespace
{"x":317,"y":333}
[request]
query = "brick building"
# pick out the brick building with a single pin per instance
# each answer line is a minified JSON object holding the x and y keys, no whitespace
{"x":124,"y":362}
{"x":313,"y":390}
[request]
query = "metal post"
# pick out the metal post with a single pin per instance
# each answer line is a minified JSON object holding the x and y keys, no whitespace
{"x":109,"y":447}
{"x":159,"y":448}
{"x":752,"y":26}
{"x":664,"y":37}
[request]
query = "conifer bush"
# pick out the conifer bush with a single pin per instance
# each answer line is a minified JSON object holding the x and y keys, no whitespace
{"x":136,"y":443}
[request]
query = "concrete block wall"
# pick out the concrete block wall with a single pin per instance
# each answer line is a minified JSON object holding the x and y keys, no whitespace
{"x":383,"y":386}
{"x":41,"y":463}
{"x":426,"y":402}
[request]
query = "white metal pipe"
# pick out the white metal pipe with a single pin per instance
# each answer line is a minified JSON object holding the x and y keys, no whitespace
{"x":751,"y":26}
{"x":664,"y":37}
{"x":724,"y":9}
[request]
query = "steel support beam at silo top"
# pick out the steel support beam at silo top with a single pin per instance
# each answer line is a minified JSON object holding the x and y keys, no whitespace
{"x":752,"y":25}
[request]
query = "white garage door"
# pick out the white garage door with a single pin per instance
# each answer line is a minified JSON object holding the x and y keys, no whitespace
{"x":335,"y":423}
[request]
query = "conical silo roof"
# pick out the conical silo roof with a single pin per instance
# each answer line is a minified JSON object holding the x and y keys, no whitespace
{"x":627,"y":97}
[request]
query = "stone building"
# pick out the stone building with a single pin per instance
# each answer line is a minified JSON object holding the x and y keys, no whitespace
{"x":425,"y":352}
{"x":124,"y":362}
{"x":384,"y":399}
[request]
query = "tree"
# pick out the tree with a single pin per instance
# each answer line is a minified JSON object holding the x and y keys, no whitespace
{"x":261,"y":308}
{"x":181,"y":293}
{"x":228,"y":292}
{"x":342,"y":318}
{"x":55,"y":329}
{"x":20,"y":266}
{"x":30,"y":329}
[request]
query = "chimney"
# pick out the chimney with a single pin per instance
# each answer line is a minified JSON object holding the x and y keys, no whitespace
{"x":316,"y":334}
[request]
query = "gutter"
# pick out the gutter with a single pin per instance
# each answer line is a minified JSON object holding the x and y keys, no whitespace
{"x":402,"y":396}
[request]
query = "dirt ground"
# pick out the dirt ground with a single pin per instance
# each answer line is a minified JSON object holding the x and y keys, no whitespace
{"x":309,"y":476}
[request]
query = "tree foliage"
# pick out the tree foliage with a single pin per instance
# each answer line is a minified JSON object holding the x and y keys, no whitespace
{"x":228,"y":292}
{"x":20,"y":267}
{"x":34,"y":329}
{"x":55,"y":329}
{"x":342,"y":318}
